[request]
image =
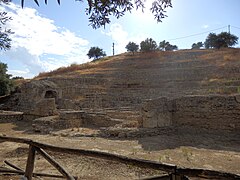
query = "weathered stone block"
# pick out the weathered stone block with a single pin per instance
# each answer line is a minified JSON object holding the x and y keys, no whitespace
{"x":211,"y":112}
{"x":45,"y":107}
{"x":157,"y":113}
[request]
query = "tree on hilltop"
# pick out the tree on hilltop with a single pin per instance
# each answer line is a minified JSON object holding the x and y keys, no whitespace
{"x":166,"y":46}
{"x":210,"y":41}
{"x":221,"y":40}
{"x":132,"y":47}
{"x":197,"y":45}
{"x":163,"y":44}
{"x":171,"y":47}
{"x":99,"y":11}
{"x":96,"y":53}
{"x":148,"y":45}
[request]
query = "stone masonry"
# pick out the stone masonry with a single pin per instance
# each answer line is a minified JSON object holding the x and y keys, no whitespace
{"x":210,"y":112}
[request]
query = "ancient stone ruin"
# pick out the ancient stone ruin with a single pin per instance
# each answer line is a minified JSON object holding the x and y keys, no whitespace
{"x":210,"y":112}
{"x":185,"y":88}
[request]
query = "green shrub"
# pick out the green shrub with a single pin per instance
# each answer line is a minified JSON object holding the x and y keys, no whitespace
{"x":6,"y":84}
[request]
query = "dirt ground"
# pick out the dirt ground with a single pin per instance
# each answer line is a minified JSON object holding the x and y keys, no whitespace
{"x":195,"y":149}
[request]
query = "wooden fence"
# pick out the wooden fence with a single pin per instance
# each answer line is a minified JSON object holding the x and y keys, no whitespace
{"x":175,"y":173}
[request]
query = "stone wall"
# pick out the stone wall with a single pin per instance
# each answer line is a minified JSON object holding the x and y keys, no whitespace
{"x":9,"y":116}
{"x":72,"y":119}
{"x":211,"y":112}
{"x":157,"y":113}
{"x":33,"y":96}
{"x":127,"y":81}
{"x":44,"y":107}
{"x":88,"y":118}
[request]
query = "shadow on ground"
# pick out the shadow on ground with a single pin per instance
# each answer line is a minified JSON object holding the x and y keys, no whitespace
{"x":199,"y":138}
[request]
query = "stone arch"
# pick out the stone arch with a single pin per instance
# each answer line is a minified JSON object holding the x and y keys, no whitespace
{"x":51,"y":94}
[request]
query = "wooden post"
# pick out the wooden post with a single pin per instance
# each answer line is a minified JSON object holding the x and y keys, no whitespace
{"x":30,"y":163}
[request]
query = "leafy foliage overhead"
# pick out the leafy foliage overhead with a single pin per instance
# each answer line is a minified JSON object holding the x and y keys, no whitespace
{"x":96,"y":53}
{"x":5,"y":41}
{"x":221,"y":40}
{"x":99,"y":11}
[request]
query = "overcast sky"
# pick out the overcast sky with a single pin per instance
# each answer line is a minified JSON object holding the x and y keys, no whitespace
{"x":51,"y":36}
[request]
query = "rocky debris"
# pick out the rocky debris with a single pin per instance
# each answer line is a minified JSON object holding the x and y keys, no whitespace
{"x":77,"y":132}
{"x":73,"y":119}
{"x":118,"y":132}
{"x":46,"y":124}
{"x":98,"y":119}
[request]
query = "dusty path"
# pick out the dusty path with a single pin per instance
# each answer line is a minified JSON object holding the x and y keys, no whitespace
{"x":216,"y":151}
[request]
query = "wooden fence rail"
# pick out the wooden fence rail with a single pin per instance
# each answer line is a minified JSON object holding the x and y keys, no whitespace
{"x":170,"y":169}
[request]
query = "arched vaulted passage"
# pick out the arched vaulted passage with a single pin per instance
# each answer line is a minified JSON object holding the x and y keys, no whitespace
{"x":50,"y":94}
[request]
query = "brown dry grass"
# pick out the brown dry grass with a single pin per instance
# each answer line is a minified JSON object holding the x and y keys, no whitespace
{"x":74,"y":69}
{"x":218,"y":57}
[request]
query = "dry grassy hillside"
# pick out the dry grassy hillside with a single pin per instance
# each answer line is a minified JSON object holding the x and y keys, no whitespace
{"x":126,"y":80}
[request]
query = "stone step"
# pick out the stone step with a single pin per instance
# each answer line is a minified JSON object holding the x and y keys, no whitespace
{"x":10,"y":116}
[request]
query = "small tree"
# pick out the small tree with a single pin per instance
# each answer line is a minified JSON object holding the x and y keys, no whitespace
{"x":148,"y":45}
{"x":132,"y":47}
{"x":163,"y":44}
{"x":197,"y":45}
{"x":6,"y":85}
{"x":96,"y":53}
{"x":210,"y":41}
{"x":221,"y":40}
{"x":166,"y":46}
{"x":171,"y":47}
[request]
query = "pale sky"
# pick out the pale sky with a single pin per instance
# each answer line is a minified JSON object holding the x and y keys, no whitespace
{"x":51,"y":36}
